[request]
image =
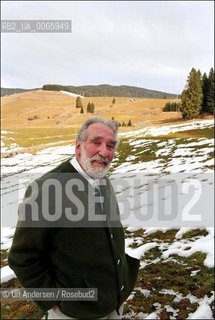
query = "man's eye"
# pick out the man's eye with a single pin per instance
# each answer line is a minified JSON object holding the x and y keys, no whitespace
{"x":110,"y":146}
{"x":97,"y":143}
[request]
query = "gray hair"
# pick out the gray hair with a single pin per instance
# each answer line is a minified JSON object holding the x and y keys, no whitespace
{"x":112,"y":124}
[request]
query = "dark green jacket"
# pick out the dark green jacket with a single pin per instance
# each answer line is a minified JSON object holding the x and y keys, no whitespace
{"x":73,"y":256}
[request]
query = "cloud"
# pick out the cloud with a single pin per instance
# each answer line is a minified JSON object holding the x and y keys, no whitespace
{"x":148,"y":44}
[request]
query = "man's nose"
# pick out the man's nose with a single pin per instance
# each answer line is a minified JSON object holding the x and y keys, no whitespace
{"x":103,"y":151}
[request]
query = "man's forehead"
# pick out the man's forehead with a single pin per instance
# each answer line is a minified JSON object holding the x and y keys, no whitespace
{"x":103,"y":132}
{"x":100,"y":130}
{"x":100,"y":137}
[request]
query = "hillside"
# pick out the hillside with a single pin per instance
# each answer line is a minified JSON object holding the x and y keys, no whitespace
{"x":10,"y":91}
{"x":55,"y":109}
{"x":99,"y":90}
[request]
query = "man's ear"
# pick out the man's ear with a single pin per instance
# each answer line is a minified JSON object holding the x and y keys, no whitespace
{"x":78,"y":147}
{"x":77,"y":144}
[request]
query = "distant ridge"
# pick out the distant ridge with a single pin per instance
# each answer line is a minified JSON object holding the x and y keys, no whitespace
{"x":9,"y":91}
{"x":110,"y":91}
{"x":98,"y":90}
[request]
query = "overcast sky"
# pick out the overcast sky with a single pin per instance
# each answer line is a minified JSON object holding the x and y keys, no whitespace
{"x":151,"y":44}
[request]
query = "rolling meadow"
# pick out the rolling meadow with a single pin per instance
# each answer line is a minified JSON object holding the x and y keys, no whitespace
{"x":176,"y":276}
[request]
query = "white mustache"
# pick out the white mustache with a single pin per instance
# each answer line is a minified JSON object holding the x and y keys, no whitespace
{"x":100,"y":159}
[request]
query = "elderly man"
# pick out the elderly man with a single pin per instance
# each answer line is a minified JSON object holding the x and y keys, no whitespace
{"x":79,"y":253}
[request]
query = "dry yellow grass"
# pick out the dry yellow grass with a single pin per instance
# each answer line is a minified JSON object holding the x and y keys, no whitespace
{"x":51,"y":109}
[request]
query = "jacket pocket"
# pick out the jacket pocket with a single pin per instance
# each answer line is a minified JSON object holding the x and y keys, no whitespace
{"x":130,"y":275}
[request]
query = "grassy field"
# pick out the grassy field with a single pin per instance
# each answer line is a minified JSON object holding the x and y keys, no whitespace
{"x":40,"y":118}
{"x":34,"y":139}
{"x":54,"y":109}
{"x":188,"y":134}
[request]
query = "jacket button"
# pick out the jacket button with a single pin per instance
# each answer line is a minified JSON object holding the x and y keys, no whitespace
{"x":122,"y":287}
{"x":118,"y":262}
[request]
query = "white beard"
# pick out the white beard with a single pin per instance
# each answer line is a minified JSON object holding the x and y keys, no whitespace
{"x":86,"y":163}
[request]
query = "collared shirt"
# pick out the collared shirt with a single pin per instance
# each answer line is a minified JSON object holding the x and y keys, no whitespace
{"x":94,"y":182}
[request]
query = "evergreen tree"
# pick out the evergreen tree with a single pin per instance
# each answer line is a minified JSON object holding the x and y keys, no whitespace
{"x":208,"y":92}
{"x":78,"y":102}
{"x":82,"y":110}
{"x":210,"y":95}
{"x":90,"y":107}
{"x":172,"y":106}
{"x":113,"y":101}
{"x":192,"y":95}
{"x":129,"y":123}
{"x":205,"y":89}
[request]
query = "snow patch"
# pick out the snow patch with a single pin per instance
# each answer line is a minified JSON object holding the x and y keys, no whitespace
{"x":7,"y":274}
{"x":71,"y":94}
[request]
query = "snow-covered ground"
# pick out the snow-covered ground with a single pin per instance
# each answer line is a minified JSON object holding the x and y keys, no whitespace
{"x":166,"y":129}
{"x":71,"y":94}
{"x":172,"y":156}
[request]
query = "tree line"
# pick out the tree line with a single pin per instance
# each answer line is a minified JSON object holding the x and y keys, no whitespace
{"x":197,"y":96}
{"x":123,"y":123}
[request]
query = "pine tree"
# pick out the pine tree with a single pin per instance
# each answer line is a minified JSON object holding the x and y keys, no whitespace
{"x":208,"y":92}
{"x":82,"y":110}
{"x":210,"y":95}
{"x":129,"y":123}
{"x":192,"y":95}
{"x":78,"y":102}
{"x":113,"y":101}
{"x":205,"y":89}
{"x":90,"y":107}
{"x":171,"y":106}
